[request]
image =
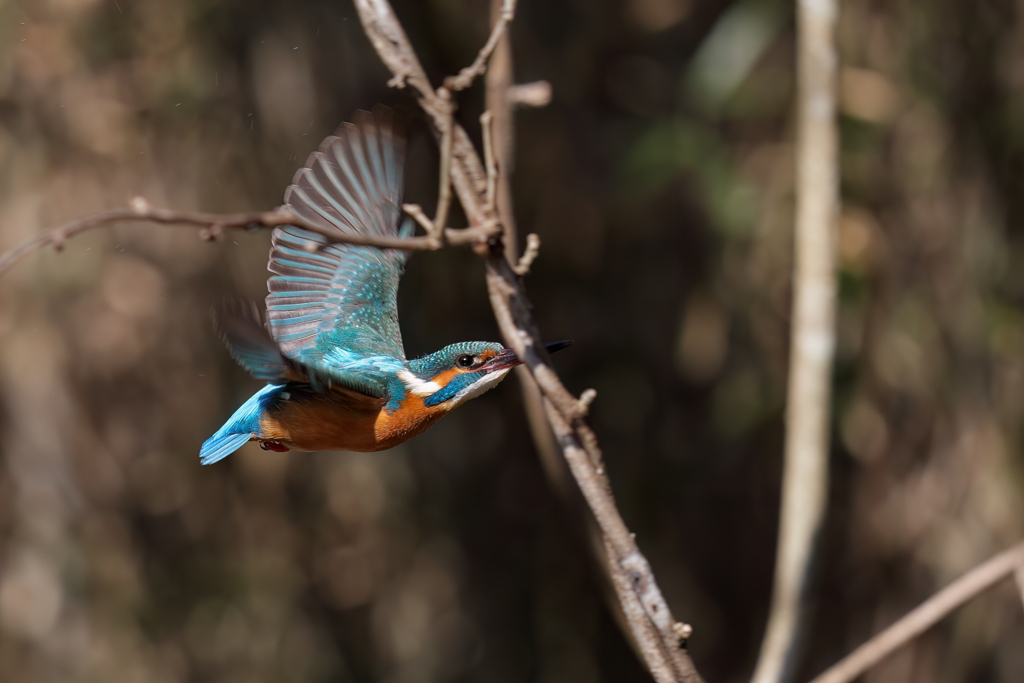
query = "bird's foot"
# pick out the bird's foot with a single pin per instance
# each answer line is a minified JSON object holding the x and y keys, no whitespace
{"x":275,"y":446}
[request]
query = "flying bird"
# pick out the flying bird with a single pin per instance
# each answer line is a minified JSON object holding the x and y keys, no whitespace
{"x":331,"y":350}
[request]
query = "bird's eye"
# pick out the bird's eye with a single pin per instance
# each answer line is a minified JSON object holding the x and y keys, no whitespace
{"x":465,"y":361}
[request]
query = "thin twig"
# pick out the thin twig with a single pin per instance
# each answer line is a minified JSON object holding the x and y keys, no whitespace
{"x":512,"y":310}
{"x":536,"y":94}
{"x":529,"y":256}
{"x":497,"y":102}
{"x":213,"y":224}
{"x":924,"y":616}
{"x":502,"y":133}
{"x":805,"y":475}
{"x":586,"y":398}
{"x":479,"y":65}
{"x":486,"y":124}
{"x":416,"y":211}
{"x":444,"y":192}
{"x":392,"y":45}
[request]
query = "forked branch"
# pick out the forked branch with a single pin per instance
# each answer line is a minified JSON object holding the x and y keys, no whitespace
{"x":479,"y":65}
{"x":650,"y":621}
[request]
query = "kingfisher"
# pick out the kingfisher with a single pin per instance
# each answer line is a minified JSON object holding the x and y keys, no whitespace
{"x":330,"y":349}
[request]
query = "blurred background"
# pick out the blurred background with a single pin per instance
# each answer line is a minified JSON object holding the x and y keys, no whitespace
{"x":660,"y":181}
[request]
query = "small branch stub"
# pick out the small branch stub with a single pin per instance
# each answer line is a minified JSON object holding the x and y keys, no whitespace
{"x":434,"y":233}
{"x":416,"y":211}
{"x":444,"y":192}
{"x":683,"y":632}
{"x":536,"y":94}
{"x":490,"y":163}
{"x":529,"y":256}
{"x":583,"y":405}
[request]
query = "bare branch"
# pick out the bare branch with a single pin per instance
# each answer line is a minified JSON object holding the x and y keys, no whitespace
{"x":501,"y":129}
{"x":444,"y":193}
{"x":645,"y":635}
{"x":512,"y":310}
{"x":479,"y":65}
{"x":536,"y":94}
{"x":925,"y":615}
{"x":214,"y":224}
{"x":389,"y":39}
{"x":805,"y":476}
{"x":391,"y":43}
{"x":579,"y":446}
{"x":416,"y":211}
{"x":586,"y":398}
{"x":529,"y":256}
{"x":486,"y":123}
{"x":497,"y":126}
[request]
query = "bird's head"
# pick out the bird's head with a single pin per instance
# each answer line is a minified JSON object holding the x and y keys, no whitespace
{"x":457,"y":373}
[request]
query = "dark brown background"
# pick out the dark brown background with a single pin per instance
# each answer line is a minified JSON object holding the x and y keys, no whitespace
{"x":660,"y":182}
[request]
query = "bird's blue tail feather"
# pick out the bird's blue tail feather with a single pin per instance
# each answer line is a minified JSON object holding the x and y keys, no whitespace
{"x":243,"y":426}
{"x":220,"y":446}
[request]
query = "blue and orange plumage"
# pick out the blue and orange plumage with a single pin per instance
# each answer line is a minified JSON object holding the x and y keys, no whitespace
{"x":332,"y":350}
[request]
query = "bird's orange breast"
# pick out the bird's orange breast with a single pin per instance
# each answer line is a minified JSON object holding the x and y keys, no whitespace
{"x":345,"y":420}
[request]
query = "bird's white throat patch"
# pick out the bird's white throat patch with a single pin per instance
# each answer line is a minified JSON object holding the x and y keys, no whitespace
{"x":485,"y":383}
{"x":416,"y":386}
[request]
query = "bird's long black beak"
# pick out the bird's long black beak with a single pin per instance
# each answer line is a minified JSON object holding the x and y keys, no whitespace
{"x":508,"y":359}
{"x":558,"y":345}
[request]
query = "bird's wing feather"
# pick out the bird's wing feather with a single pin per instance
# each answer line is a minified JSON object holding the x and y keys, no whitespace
{"x":251,"y":345}
{"x":323,"y":295}
{"x":242,"y":330}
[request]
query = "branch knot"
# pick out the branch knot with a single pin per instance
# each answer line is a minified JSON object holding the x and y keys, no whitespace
{"x":583,"y":404}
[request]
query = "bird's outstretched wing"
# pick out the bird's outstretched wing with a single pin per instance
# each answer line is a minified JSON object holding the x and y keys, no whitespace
{"x":250,"y":344}
{"x":332,"y":305}
{"x":242,"y":330}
